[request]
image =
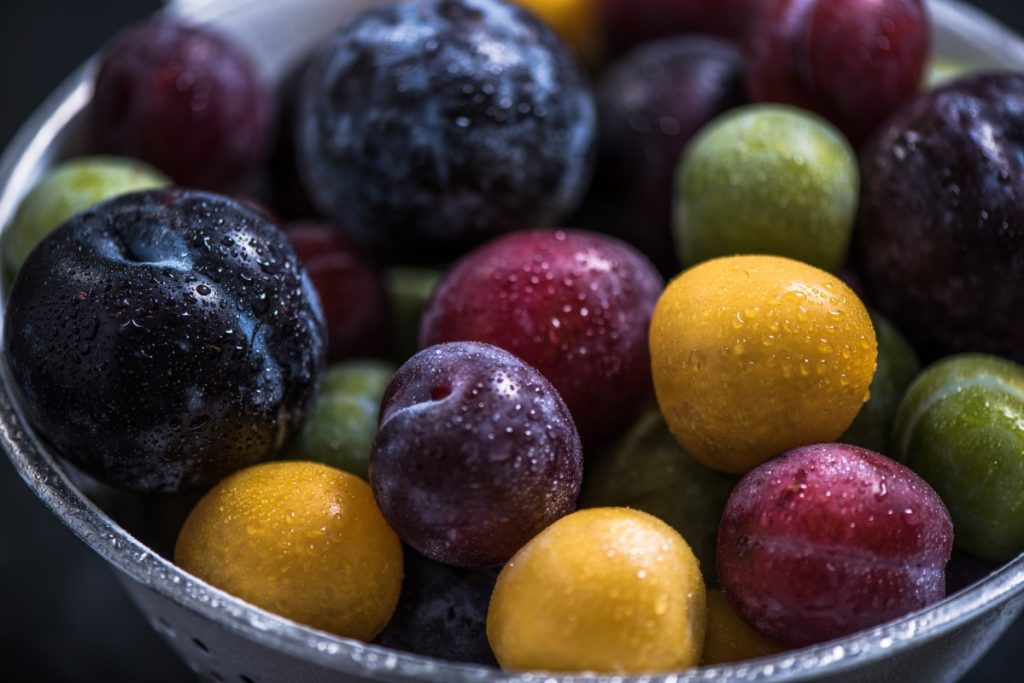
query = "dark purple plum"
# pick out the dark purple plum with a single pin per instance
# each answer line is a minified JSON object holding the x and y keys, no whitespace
{"x":352,"y":291}
{"x":442,"y":612}
{"x":575,"y":305}
{"x":853,"y":62}
{"x":184,"y":99}
{"x":940,"y":239}
{"x":164,"y":339}
{"x":650,"y":105}
{"x":628,"y":23}
{"x":428,"y":127}
{"x":476,"y":454}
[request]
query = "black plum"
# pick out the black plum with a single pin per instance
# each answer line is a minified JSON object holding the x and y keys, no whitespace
{"x":429,"y":127}
{"x":651,"y":104}
{"x":941,"y":231}
{"x":476,"y":454}
{"x":185,"y":99}
{"x":164,"y":339}
{"x":442,"y":612}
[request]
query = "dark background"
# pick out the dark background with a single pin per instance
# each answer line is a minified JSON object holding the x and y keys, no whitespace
{"x":63,"y":617}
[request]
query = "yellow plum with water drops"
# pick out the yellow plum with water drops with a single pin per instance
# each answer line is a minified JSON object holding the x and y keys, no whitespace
{"x":755,"y":355}
{"x":302,"y":540}
{"x":608,"y":590}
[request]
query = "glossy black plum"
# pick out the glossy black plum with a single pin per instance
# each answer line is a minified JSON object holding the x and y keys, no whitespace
{"x":428,"y":127}
{"x":476,"y":454}
{"x":650,"y":105}
{"x":442,"y":612}
{"x":185,"y":99}
{"x":165,"y":339}
{"x":941,"y":232}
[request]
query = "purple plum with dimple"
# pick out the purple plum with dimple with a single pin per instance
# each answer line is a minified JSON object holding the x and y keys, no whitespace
{"x":476,"y":454}
{"x":941,"y":231}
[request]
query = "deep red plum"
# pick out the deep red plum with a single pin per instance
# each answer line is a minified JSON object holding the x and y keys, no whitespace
{"x":575,"y":305}
{"x":827,"y":540}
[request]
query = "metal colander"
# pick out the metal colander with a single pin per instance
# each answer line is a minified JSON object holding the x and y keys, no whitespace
{"x":225,"y":639}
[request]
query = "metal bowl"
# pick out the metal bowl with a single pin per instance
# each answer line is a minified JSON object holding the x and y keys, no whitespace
{"x":225,"y":639}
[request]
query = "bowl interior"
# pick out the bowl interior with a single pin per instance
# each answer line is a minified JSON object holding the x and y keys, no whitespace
{"x":135,"y":533}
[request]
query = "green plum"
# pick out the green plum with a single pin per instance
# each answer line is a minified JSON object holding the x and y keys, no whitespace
{"x":647,"y":470}
{"x":961,"y":427}
{"x":767,"y":179}
{"x":341,"y":429}
{"x":897,"y":367}
{"x":410,"y":289}
{"x":69,"y":189}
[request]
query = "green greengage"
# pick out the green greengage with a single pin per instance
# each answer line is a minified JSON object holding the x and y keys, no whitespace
{"x":341,"y":429}
{"x":70,"y":188}
{"x":961,"y":427}
{"x":647,"y":470}
{"x":767,"y":179}
{"x":897,"y":367}
{"x":410,"y":289}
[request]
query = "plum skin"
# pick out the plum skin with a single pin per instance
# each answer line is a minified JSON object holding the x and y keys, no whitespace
{"x":853,"y":62}
{"x":827,"y":540}
{"x":573,"y":304}
{"x":476,"y":454}
{"x":650,"y":104}
{"x":475,"y":123}
{"x":164,"y":339}
{"x":940,"y":240}
{"x":184,"y":99}
{"x":352,"y":291}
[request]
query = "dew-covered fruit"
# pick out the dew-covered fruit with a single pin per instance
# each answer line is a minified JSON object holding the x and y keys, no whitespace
{"x":897,"y":367}
{"x":299,"y":539}
{"x":961,"y":427}
{"x":69,"y":188}
{"x":730,"y":639}
{"x":352,"y":291}
{"x":185,"y":99}
{"x":476,"y":454}
{"x":409,"y":290}
{"x":755,"y":355}
{"x":627,"y":23}
{"x":827,"y":540}
{"x":442,"y":612}
{"x":164,"y":339}
{"x":647,"y":470}
{"x":941,"y":232}
{"x":853,"y":62}
{"x":429,"y":127}
{"x":343,"y":423}
{"x":575,"y":305}
{"x":608,"y":590}
{"x":767,"y":179}
{"x":650,"y":104}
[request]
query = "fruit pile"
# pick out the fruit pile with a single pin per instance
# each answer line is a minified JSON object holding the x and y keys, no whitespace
{"x":618,"y":378}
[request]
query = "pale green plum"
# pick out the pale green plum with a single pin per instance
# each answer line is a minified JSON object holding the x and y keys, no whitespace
{"x":410,"y":289}
{"x":69,"y":189}
{"x":771,"y":180}
{"x":961,"y":427}
{"x":343,"y":424}
{"x":647,"y":470}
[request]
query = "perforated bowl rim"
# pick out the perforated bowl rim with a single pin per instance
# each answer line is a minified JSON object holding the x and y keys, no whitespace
{"x":31,"y":150}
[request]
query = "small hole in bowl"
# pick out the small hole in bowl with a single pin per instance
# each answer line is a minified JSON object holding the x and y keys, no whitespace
{"x":201,"y":645}
{"x":245,"y":679}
